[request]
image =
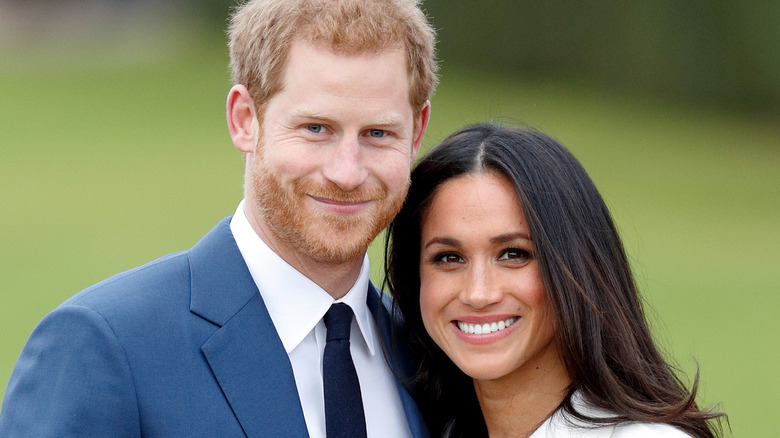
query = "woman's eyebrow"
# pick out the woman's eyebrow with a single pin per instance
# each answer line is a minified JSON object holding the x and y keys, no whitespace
{"x":448,"y":241}
{"x":503,"y":238}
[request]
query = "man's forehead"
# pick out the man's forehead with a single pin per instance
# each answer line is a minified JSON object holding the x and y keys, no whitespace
{"x":307,"y":58}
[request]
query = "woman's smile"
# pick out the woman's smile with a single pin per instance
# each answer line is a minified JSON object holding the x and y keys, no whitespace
{"x":485,"y":328}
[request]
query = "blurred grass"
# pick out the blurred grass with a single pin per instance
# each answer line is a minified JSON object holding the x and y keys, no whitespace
{"x":108,"y":161}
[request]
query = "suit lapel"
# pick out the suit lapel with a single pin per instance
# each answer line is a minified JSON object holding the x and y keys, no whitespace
{"x":398,"y":359}
{"x":245,"y":353}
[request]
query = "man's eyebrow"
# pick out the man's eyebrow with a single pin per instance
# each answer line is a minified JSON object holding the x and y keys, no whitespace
{"x":308,"y":114}
{"x":391,"y":120}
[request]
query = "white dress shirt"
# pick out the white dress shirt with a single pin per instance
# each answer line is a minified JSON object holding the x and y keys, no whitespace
{"x":296,"y":306}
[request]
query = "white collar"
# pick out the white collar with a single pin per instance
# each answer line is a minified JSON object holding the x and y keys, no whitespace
{"x":559,"y":421}
{"x":295,"y":303}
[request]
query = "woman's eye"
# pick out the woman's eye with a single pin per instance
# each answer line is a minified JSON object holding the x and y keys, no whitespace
{"x":314,"y":128}
{"x":515,"y":254}
{"x":376,"y":133}
{"x":448,"y":258}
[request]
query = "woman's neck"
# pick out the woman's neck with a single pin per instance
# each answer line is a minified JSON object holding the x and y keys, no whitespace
{"x":517,"y":404}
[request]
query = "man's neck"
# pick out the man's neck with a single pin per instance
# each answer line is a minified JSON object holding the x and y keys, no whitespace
{"x":336,"y":278}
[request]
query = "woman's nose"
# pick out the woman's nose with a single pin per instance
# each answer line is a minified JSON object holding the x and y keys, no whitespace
{"x":480,"y":289}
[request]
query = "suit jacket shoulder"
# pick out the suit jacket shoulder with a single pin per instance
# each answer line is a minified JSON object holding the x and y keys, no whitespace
{"x":181,"y":346}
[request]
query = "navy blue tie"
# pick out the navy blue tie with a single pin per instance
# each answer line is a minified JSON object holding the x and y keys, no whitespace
{"x":344,"y":415}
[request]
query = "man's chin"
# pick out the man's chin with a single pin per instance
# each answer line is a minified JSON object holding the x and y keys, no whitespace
{"x":336,"y":253}
{"x":334,"y":245}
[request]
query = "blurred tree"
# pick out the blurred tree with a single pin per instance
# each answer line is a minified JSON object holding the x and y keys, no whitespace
{"x":709,"y":50}
{"x":215,"y":11}
{"x":712,"y":51}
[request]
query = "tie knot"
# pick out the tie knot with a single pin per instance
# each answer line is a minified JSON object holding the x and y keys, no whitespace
{"x":338,"y":319}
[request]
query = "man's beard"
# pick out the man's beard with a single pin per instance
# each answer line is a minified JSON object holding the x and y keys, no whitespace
{"x":324,"y":238}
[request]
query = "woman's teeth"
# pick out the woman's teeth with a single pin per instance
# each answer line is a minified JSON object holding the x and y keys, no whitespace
{"x":483,"y":329}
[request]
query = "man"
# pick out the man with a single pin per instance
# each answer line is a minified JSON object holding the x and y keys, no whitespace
{"x":227,"y":339}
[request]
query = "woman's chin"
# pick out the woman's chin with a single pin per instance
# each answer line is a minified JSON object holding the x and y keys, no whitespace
{"x":482,"y":370}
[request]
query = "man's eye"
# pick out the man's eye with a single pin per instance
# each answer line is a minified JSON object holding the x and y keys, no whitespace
{"x":376,"y":133}
{"x":314,"y":128}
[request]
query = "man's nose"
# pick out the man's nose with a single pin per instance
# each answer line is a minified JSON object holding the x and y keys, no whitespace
{"x":346,"y":168}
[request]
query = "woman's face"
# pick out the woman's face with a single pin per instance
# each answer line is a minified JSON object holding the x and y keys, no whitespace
{"x":481,"y":296}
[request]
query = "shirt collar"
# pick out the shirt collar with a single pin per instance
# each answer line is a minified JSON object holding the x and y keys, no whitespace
{"x":295,"y":303}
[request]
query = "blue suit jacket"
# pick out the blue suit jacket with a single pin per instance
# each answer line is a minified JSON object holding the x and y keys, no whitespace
{"x":180,"y":347}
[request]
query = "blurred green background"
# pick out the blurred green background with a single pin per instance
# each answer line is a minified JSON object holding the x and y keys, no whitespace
{"x":114,"y":151}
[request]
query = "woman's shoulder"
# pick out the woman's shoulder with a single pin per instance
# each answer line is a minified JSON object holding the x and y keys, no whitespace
{"x":569,"y":429}
{"x":561,"y":424}
{"x":647,"y":430}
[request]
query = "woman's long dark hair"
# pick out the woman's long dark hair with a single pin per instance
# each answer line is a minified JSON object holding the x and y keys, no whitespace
{"x":602,"y":334}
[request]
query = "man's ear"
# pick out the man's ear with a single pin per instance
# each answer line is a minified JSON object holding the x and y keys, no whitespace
{"x":242,"y":119}
{"x":422,"y":125}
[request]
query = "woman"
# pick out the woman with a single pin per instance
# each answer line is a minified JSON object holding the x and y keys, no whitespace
{"x":519,"y":299}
